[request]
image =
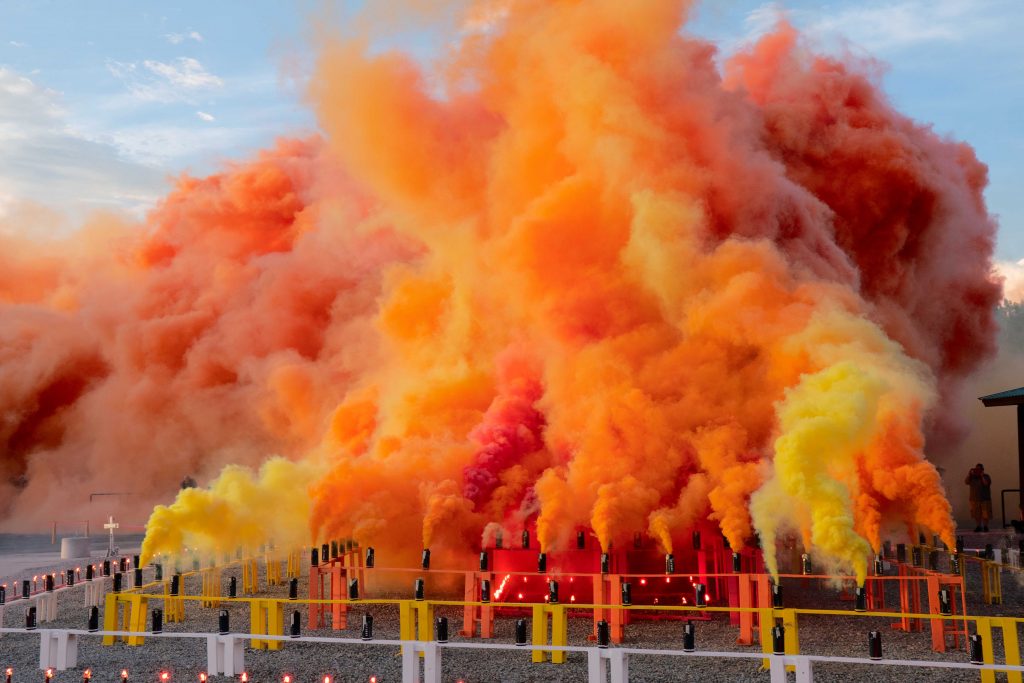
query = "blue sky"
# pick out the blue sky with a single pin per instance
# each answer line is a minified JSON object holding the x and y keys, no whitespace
{"x":101,"y":102}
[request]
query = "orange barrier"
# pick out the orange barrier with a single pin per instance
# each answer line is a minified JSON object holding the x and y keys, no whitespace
{"x":608,"y":591}
{"x":477,"y":615}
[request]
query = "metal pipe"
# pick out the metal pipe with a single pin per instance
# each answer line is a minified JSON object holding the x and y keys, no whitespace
{"x":520,"y":632}
{"x":689,"y":637}
{"x":976,"y":654}
{"x":603,"y":634}
{"x":778,"y":640}
{"x":367,"y":630}
{"x":874,"y":645}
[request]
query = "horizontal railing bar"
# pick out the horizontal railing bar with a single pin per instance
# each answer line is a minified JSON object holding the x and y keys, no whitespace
{"x":416,"y":644}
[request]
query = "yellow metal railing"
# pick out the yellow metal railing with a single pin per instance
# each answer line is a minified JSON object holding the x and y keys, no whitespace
{"x":416,"y":622}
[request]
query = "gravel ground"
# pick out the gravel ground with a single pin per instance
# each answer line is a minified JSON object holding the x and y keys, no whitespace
{"x":307,"y":662}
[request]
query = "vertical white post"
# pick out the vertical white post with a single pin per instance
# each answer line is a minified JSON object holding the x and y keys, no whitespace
{"x":67,"y":650}
{"x":595,"y":666}
{"x":777,"y":667}
{"x":619,"y":661}
{"x":410,"y":662}
{"x":45,"y":646}
{"x":234,"y":651}
{"x":214,"y":658}
{"x":804,"y":670}
{"x":431,"y":663}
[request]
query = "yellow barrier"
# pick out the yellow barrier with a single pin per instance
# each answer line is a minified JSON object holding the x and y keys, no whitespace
{"x":769,"y":618}
{"x":125,"y":612}
{"x":211,"y":586}
{"x":294,"y":570}
{"x":1011,"y":647}
{"x":991,"y":583}
{"x":174,"y":605}
{"x":412,"y":613}
{"x":273,"y":565}
{"x":250,"y":576}
{"x":559,"y":632}
{"x":266,"y":618}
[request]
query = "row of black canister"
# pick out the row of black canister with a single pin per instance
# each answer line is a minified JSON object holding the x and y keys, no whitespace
{"x":69,"y":578}
{"x":441,"y":631}
{"x":334,"y":550}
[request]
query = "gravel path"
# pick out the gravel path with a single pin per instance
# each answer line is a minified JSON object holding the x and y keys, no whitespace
{"x":307,"y":663}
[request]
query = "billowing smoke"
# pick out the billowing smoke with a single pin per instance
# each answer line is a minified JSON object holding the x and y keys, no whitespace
{"x":574,"y":277}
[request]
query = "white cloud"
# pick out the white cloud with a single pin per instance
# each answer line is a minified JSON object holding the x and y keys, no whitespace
{"x":169,"y":145}
{"x":206,"y":117}
{"x":178,"y":38}
{"x":878,"y":26}
{"x":1012,"y":274}
{"x":43,"y":159}
{"x":185,"y":72}
{"x":165,"y":81}
{"x":17,"y":43}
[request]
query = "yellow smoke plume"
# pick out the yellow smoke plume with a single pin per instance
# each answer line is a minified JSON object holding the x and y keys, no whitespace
{"x":241,"y":509}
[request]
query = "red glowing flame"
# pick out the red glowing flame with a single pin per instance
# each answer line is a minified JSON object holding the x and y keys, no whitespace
{"x":501,"y":586}
{"x":202,"y":677}
{"x":164,"y":676}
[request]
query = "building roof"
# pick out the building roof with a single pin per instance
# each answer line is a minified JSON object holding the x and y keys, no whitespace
{"x":1010,"y":397}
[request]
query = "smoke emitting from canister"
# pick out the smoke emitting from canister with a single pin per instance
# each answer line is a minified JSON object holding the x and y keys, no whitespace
{"x":532,"y":298}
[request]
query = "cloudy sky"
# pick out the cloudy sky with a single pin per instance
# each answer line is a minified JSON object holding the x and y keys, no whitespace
{"x":100,"y":103}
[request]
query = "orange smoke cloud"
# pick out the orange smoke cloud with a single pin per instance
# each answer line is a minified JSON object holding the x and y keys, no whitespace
{"x":574,"y":279}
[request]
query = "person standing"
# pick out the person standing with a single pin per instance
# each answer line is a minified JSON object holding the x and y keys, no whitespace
{"x":981,"y":496}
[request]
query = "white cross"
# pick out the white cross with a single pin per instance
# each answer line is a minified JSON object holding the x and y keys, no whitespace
{"x":111,"y":524}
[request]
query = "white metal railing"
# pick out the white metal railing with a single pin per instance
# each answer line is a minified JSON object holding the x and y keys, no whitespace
{"x":58,"y":649}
